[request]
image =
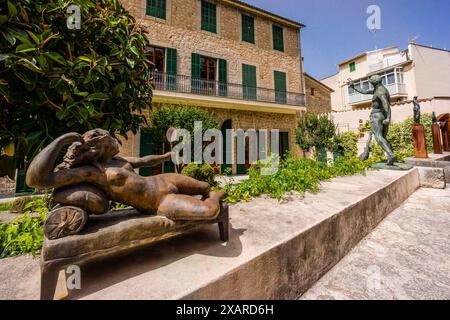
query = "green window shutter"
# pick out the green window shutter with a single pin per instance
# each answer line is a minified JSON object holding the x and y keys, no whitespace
{"x":353,"y":67}
{"x":223,"y":78}
{"x":156,"y":8}
{"x":227,"y":125}
{"x":278,"y":40}
{"x":209,"y":19}
{"x":146,"y":149}
{"x":284,"y":144}
{"x":196,"y":71}
{"x":248,"y":29}
{"x":171,"y":68}
{"x":249,"y":81}
{"x":21,"y":185}
{"x":169,"y":167}
{"x":280,"y":87}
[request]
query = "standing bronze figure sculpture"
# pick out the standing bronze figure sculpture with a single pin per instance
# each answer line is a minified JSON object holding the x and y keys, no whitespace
{"x":380,"y":117}
{"x":416,"y":110}
{"x":92,"y":175}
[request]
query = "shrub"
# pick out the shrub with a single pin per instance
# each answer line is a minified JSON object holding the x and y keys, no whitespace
{"x":201,"y":172}
{"x":25,"y":234}
{"x":294,"y":174}
{"x":400,"y":137}
{"x":19,"y":204}
{"x":346,"y":144}
{"x":55,"y":80}
{"x":315,"y":131}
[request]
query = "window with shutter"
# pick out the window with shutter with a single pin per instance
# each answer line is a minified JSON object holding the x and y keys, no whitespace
{"x":280,"y":87}
{"x":278,"y":40}
{"x":209,"y":19}
{"x":196,"y":70}
{"x":171,"y":69}
{"x":249,"y":81}
{"x":248,"y":29}
{"x":223,"y":78}
{"x":156,"y":8}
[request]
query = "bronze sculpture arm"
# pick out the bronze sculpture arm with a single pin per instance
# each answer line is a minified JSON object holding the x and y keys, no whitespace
{"x":387,"y":109}
{"x":370,"y":91}
{"x":149,"y":161}
{"x":41,"y":175}
{"x":362,"y":91}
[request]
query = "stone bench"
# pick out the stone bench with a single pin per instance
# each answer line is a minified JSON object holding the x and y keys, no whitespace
{"x":112,"y":234}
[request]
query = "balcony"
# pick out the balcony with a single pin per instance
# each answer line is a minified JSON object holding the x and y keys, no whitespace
{"x":200,"y":87}
{"x":387,"y":63}
{"x":395,"y":89}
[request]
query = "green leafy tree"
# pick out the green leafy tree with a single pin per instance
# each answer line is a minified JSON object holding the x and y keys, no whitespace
{"x":54,"y":79}
{"x":179,"y":117}
{"x":315,"y":131}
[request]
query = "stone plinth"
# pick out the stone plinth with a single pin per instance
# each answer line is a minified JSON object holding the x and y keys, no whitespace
{"x":437,"y":144}
{"x":419,"y":141}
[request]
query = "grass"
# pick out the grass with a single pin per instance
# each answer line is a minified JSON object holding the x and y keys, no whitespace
{"x":5,"y":206}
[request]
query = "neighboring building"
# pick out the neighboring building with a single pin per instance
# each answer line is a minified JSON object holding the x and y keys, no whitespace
{"x":318,"y":95}
{"x":241,"y":63}
{"x":417,"y":71}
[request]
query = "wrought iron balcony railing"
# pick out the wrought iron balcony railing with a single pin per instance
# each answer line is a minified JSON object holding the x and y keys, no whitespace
{"x":186,"y":84}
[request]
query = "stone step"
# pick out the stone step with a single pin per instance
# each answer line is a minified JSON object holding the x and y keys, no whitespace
{"x":276,"y":250}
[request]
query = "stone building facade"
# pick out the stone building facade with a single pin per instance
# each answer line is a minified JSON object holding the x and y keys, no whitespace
{"x":318,"y":95}
{"x":250,"y":73}
{"x":7,"y":186}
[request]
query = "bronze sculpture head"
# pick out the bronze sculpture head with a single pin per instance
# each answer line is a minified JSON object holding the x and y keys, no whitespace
{"x":375,"y":80}
{"x":97,"y":146}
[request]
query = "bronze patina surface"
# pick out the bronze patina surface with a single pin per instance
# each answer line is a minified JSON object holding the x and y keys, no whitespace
{"x":92,"y":175}
{"x":380,"y":117}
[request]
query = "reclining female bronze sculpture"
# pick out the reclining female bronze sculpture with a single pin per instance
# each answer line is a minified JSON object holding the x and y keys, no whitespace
{"x":92,"y":175}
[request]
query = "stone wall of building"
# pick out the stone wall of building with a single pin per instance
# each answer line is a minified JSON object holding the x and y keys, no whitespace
{"x":318,"y":97}
{"x":7,"y":186}
{"x":261,"y":120}
{"x":182,"y":31}
{"x":240,"y":120}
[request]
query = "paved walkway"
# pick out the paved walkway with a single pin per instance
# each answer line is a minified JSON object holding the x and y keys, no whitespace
{"x":406,"y":257}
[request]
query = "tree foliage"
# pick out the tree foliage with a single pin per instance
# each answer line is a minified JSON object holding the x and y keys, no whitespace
{"x":178,"y":117}
{"x":315,"y":131}
{"x":55,"y":80}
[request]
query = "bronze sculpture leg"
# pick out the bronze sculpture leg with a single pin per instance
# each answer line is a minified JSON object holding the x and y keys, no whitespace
{"x":186,"y":185}
{"x":184,"y":207}
{"x":380,"y":132}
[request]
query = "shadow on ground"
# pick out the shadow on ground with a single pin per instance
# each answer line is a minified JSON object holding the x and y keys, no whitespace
{"x":203,"y":241}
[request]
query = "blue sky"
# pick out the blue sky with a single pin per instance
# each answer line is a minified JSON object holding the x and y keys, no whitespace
{"x":336,"y":29}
